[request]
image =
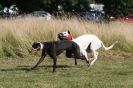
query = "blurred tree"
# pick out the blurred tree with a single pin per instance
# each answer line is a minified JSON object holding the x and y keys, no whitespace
{"x":29,"y":5}
{"x":117,"y":7}
{"x":5,"y":3}
{"x":112,"y":7}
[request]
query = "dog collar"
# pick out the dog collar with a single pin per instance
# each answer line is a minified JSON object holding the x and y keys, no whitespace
{"x":41,"y":46}
{"x":69,"y":37}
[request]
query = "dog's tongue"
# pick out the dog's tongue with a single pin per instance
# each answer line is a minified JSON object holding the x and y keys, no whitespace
{"x":69,"y":38}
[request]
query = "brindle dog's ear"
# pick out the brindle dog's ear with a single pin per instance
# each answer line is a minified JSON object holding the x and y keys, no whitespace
{"x":34,"y":42}
{"x":68,"y":32}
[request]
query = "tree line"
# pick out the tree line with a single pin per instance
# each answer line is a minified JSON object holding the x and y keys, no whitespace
{"x":111,"y":7}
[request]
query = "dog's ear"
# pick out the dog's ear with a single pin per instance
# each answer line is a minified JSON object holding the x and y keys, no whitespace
{"x":34,"y":42}
{"x":68,"y":32}
{"x":36,"y":45}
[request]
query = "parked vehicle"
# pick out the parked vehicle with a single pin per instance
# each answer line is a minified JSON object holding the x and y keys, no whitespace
{"x":128,"y":18}
{"x":93,"y":16}
{"x":41,"y":15}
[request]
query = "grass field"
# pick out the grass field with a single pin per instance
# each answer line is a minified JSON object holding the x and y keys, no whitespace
{"x":18,"y":34}
{"x":113,"y":69}
{"x":108,"y":72}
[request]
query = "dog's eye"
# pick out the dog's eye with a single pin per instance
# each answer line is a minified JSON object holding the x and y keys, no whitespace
{"x":65,"y":33}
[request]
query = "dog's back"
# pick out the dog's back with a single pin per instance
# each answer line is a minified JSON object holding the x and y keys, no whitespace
{"x":60,"y":46}
{"x":85,"y":40}
{"x":64,"y":44}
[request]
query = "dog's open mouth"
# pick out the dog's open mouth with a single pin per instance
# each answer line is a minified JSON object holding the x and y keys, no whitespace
{"x":32,"y":51}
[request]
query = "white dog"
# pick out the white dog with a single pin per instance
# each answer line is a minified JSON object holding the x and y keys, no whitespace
{"x":88,"y":41}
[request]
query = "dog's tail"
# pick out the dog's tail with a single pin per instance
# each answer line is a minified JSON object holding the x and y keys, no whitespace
{"x":110,"y":47}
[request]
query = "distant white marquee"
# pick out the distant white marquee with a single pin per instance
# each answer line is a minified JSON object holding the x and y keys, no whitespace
{"x":96,"y":7}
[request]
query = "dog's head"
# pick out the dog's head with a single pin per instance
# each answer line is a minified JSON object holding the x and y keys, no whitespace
{"x":65,"y":35}
{"x":36,"y":46}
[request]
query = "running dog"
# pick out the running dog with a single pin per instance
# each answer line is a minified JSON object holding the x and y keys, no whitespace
{"x":55,"y":48}
{"x":87,"y":42}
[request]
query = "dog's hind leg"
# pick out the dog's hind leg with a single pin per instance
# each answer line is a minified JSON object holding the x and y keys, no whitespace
{"x":95,"y":56}
{"x":95,"y":45}
{"x":86,"y":57}
{"x":40,"y":60}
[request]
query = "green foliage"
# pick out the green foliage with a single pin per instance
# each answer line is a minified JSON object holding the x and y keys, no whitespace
{"x":1,"y":51}
{"x":112,"y":7}
{"x":49,"y":5}
{"x":117,"y":7}
{"x":10,"y":46}
{"x":8,"y":50}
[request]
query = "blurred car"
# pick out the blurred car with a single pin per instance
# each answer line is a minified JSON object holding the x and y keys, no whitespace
{"x":41,"y":15}
{"x":92,"y":15}
{"x":128,"y":18}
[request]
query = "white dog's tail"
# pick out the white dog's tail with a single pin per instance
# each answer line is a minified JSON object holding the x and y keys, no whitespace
{"x":110,"y":47}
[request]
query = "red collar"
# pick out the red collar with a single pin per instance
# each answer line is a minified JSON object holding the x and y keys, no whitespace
{"x":69,"y":38}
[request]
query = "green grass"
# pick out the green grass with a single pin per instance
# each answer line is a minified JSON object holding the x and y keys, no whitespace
{"x":114,"y":70}
{"x":109,"y":71}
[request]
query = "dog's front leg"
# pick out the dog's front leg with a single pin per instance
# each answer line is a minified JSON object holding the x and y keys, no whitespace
{"x":54,"y":65}
{"x":40,"y":60}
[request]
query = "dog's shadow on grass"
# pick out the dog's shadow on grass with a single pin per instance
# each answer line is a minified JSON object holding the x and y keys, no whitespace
{"x":27,"y":68}
{"x":15,"y":69}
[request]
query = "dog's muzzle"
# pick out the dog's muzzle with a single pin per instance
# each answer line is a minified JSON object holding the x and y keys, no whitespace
{"x":32,"y":50}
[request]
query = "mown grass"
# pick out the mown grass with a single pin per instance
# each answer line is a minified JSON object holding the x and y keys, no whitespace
{"x":108,"y":72}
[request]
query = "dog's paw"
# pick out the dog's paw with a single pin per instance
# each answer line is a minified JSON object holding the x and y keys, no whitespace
{"x":91,"y":63}
{"x":88,"y":65}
